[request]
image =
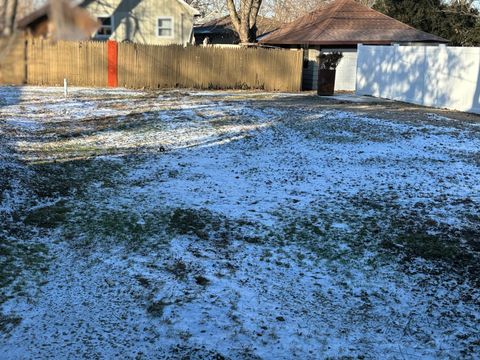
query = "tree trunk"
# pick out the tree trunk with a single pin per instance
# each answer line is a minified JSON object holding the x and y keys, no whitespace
{"x":9,"y":16}
{"x":244,"y":34}
{"x":252,"y":34}
{"x":244,"y":19}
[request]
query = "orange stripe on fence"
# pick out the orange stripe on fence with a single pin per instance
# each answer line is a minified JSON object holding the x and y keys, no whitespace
{"x":112,"y":63}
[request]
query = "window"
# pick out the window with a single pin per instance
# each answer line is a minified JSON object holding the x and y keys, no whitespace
{"x":165,"y":27}
{"x":106,"y":26}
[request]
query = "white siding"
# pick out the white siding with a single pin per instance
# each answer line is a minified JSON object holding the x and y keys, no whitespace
{"x":346,"y":71}
{"x":439,"y":76}
{"x":345,"y":78}
{"x":137,"y":20}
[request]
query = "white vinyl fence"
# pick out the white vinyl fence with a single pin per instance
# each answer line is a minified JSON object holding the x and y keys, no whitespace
{"x":438,"y":76}
{"x":346,"y":70}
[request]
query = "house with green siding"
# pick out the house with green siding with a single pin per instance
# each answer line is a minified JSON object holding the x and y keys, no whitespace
{"x":160,"y":22}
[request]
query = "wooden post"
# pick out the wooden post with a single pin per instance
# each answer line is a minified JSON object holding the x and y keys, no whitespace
{"x":112,"y":53}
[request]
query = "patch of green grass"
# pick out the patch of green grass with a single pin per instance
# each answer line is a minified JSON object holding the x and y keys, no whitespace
{"x":197,"y":222}
{"x":173,"y":174}
{"x":344,"y":130}
{"x":17,"y":259}
{"x":318,"y":237}
{"x":74,"y":177}
{"x":178,"y":268}
{"x":95,"y":224}
{"x":386,"y":235}
{"x":302,"y":230}
{"x":425,"y":246}
{"x":448,"y":250}
{"x":156,"y":308}
{"x":254,"y":239}
{"x":219,"y":123}
{"x":90,"y":224}
{"x":202,"y":280}
{"x":8,"y":322}
{"x":207,"y":225}
{"x":74,"y":149}
{"x":48,"y":216}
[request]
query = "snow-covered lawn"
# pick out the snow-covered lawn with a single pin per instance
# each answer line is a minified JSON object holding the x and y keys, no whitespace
{"x":235,"y":225}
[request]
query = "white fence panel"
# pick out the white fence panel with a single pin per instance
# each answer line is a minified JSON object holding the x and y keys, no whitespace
{"x":439,"y":76}
{"x":346,"y":72}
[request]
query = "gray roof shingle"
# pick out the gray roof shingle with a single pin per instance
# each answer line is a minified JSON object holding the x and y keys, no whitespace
{"x":346,"y":22}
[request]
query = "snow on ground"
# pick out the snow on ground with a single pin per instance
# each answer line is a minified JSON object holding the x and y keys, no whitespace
{"x":356,"y":98}
{"x":234,"y":225}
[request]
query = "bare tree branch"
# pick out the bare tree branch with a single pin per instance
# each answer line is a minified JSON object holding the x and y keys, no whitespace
{"x":244,"y":18}
{"x":234,"y":15}
{"x":9,"y":16}
{"x":254,"y":12}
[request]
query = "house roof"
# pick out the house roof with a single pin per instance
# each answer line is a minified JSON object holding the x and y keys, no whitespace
{"x":44,"y":10}
{"x":346,"y":22}
{"x":189,"y":8}
{"x":32,"y":17}
{"x":224,"y":25}
{"x":40,"y":13}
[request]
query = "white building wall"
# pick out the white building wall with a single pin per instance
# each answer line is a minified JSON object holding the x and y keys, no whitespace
{"x":438,"y":76}
{"x":137,"y":20}
{"x":346,"y":71}
{"x":346,"y":75}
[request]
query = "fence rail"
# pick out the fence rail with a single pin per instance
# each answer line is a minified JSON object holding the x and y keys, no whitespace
{"x":153,"y":66}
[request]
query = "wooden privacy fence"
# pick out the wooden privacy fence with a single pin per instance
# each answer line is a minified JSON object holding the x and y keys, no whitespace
{"x":82,"y":63}
{"x":100,"y":64}
{"x":13,"y":53}
{"x":209,"y":67}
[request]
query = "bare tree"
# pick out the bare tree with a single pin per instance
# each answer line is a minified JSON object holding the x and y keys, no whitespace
{"x":9,"y":12}
{"x":368,"y":3}
{"x":13,"y":10}
{"x":285,"y":11}
{"x":244,"y":18}
{"x":25,"y":7}
{"x":463,"y":7}
{"x":209,"y":9}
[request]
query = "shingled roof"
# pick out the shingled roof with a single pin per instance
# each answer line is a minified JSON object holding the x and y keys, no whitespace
{"x":39,"y":14}
{"x":346,"y":22}
{"x":224,"y":25}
